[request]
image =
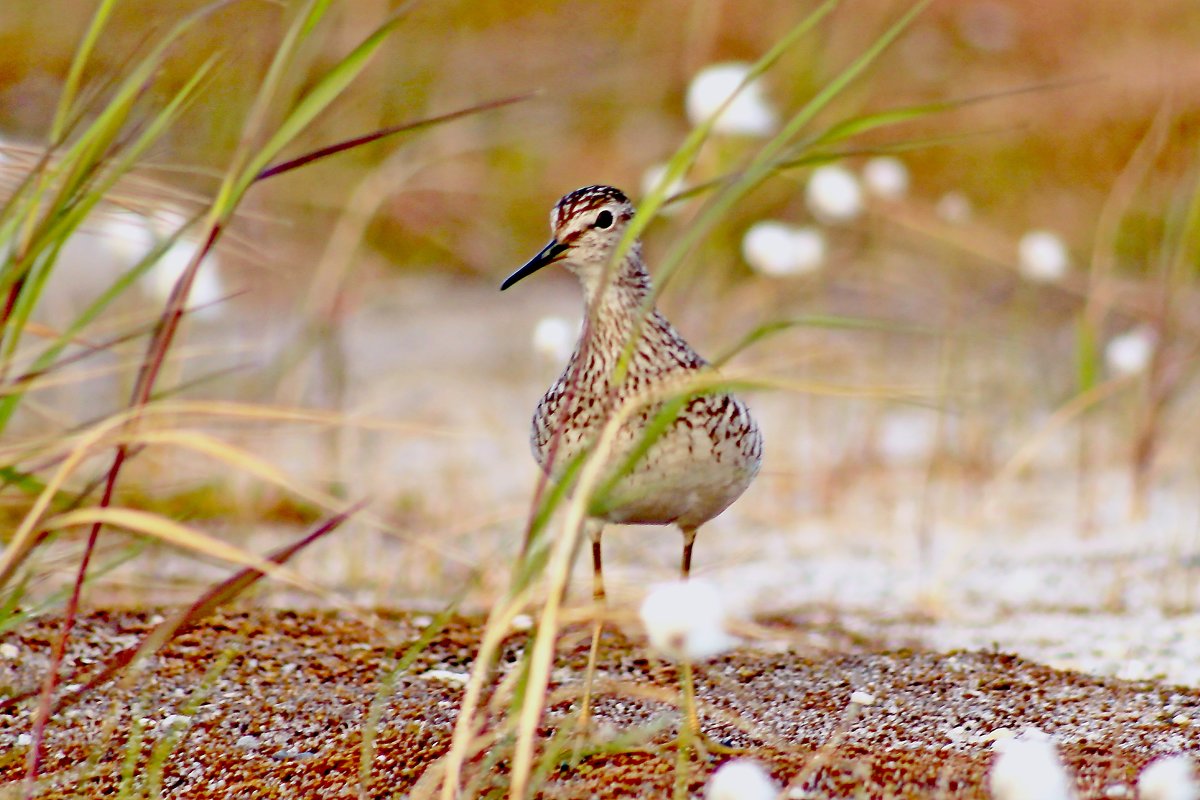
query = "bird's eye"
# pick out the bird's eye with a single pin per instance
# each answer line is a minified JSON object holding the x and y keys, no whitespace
{"x":604,"y":219}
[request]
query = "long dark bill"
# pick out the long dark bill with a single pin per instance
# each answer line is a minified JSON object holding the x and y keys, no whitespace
{"x":549,"y":255}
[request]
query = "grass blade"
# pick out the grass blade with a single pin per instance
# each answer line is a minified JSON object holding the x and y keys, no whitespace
{"x":327,"y":89}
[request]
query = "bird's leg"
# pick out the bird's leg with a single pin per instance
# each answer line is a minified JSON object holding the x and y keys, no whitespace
{"x":687,"y":679}
{"x":690,"y":732}
{"x":594,"y":530}
{"x":689,"y":538}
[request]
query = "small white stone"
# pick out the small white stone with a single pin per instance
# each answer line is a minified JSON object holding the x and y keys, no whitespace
{"x":1116,"y":790}
{"x":862,"y":698}
{"x":554,"y":337}
{"x":741,"y":780}
{"x":246,"y":742}
{"x":777,"y":249}
{"x":447,"y":676}
{"x":522,"y":622}
{"x":422,"y":620}
{"x":8,"y":650}
{"x":1027,"y":767}
{"x":1042,"y":257}
{"x":1130,"y":352}
{"x":176,"y":721}
{"x":833,"y":194}
{"x":886,"y":177}
{"x":24,"y":740}
{"x":1169,"y":778}
{"x":954,"y":207}
{"x":685,"y":620}
{"x":748,"y":114}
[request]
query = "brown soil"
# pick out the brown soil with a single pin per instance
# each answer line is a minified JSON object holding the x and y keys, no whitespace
{"x":285,"y":718}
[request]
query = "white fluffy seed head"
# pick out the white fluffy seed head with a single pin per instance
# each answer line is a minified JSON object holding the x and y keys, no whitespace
{"x":127,"y":235}
{"x":748,"y":114}
{"x":777,"y":249}
{"x":206,"y":291}
{"x":685,"y":620}
{"x":653,"y":177}
{"x":886,"y":177}
{"x":1042,"y":257}
{"x":741,"y":780}
{"x":1027,"y":767}
{"x":1169,"y":778}
{"x":833,"y":194}
{"x":1130,"y":352}
{"x":554,"y":338}
{"x":954,"y":207}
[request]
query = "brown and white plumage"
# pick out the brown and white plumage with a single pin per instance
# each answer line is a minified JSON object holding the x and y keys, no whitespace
{"x":710,"y":453}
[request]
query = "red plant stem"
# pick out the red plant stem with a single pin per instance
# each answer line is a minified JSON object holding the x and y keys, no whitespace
{"x":156,"y":353}
{"x":45,"y":701}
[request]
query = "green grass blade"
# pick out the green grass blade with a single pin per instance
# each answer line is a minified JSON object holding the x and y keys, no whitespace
{"x":664,"y":417}
{"x":382,"y":696}
{"x":171,"y":739}
{"x":1087,"y":356}
{"x":62,"y":224}
{"x":825,"y":321}
{"x":66,"y":100}
{"x":327,"y":89}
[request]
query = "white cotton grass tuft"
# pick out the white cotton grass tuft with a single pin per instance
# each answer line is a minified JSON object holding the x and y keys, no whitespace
{"x":777,"y":249}
{"x":128,"y":236}
{"x":954,"y":207}
{"x":1027,"y":767}
{"x":1130,"y":352}
{"x":1169,"y":778}
{"x":554,"y":337}
{"x":988,"y":25}
{"x":886,"y":177}
{"x":685,"y":620}
{"x":206,"y":291}
{"x":1042,"y":257}
{"x":748,"y":114}
{"x":833,"y":194}
{"x":653,"y":178}
{"x":741,"y":779}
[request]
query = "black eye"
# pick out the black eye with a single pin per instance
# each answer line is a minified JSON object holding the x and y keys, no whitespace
{"x":604,"y":219}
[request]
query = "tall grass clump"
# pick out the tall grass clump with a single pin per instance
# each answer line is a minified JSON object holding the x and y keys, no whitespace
{"x":103,"y":130}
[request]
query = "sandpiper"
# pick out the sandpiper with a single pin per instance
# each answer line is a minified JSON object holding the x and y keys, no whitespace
{"x":710,"y":453}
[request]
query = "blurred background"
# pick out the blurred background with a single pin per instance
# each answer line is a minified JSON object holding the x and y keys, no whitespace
{"x":988,"y":415}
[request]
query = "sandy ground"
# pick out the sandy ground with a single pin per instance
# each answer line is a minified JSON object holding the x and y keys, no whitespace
{"x":960,"y":521}
{"x":285,"y":717}
{"x":883,"y":537}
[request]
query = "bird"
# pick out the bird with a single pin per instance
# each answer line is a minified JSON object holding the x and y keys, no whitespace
{"x":705,"y":458}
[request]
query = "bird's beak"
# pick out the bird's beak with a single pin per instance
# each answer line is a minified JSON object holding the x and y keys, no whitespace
{"x":550,"y":253}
